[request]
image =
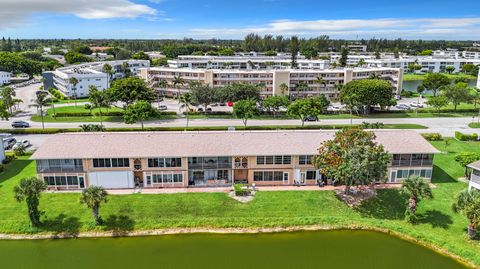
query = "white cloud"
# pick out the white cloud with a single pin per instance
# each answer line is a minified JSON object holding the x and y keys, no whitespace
{"x":448,"y":28}
{"x":14,"y":13}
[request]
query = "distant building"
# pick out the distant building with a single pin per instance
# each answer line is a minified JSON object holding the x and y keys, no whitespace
{"x":5,"y":78}
{"x":357,"y":47}
{"x":90,"y":74}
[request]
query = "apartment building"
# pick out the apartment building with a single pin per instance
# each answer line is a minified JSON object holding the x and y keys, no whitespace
{"x":475,"y":176}
{"x":5,"y":78}
{"x":245,"y":62}
{"x":208,"y":159}
{"x":271,"y":80}
{"x":90,"y":74}
{"x":428,"y":64}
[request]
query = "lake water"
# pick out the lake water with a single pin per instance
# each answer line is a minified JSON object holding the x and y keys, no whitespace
{"x":411,"y":85}
{"x":323,"y":249}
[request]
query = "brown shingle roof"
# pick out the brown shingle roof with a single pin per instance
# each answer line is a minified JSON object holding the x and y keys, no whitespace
{"x":234,"y":143}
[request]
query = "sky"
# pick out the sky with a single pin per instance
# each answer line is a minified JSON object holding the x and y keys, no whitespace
{"x":205,"y":19}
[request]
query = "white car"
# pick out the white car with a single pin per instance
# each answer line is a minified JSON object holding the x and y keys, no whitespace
{"x":162,"y":107}
{"x":416,"y":105}
{"x":21,"y":143}
{"x":402,"y":107}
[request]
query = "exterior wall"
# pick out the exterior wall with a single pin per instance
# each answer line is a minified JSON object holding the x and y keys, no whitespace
{"x":5,"y":78}
{"x":475,"y":180}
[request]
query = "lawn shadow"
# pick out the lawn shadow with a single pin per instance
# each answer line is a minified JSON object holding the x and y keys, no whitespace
{"x":436,"y":218}
{"x":440,"y":176}
{"x":119,"y":225}
{"x":62,"y":225}
{"x":14,"y":168}
{"x":387,"y":204}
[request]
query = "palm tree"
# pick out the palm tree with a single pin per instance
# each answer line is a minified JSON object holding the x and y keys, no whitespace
{"x":320,"y":81}
{"x":416,"y":188}
{"x":74,"y":81}
{"x":109,"y":70}
{"x":92,"y":197}
{"x":8,"y":95}
{"x":283,"y":88}
{"x":98,"y":99}
{"x":29,"y":190}
{"x":185,"y":103}
{"x":178,"y":81}
{"x":468,"y":203}
{"x":42,"y":100}
{"x":162,"y":84}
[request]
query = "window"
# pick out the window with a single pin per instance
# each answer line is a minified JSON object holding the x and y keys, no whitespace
{"x":114,"y":162}
{"x":168,"y":177}
{"x":277,"y":160}
{"x":61,"y":180}
{"x":305,"y":160}
{"x":268,"y":176}
{"x":165,"y":162}
{"x":311,"y":175}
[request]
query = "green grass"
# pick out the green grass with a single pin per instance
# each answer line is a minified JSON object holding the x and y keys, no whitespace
{"x":409,"y":76}
{"x":438,"y":224}
{"x":71,"y":101}
{"x":474,"y":125}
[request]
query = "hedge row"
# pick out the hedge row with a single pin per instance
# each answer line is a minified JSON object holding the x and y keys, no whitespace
{"x":466,"y":137}
{"x":432,"y":136}
{"x":105,"y":114}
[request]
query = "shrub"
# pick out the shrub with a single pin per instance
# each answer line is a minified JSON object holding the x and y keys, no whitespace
{"x":110,"y":113}
{"x":432,"y":136}
{"x":466,"y":137}
{"x":19,"y":151}
{"x":241,"y":190}
{"x":72,"y":114}
{"x":8,"y":159}
{"x":374,"y":125}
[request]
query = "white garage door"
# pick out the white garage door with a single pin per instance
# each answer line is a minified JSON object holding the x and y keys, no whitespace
{"x":112,"y":180}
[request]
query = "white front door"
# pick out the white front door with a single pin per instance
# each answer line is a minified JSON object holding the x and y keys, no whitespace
{"x":285,"y":178}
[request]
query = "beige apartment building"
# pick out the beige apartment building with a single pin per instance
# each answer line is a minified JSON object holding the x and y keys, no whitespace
{"x":74,"y":161}
{"x":318,"y":82}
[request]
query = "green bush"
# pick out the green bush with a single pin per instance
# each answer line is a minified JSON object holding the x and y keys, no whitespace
{"x":466,"y":137}
{"x":110,"y":113}
{"x":241,"y":190}
{"x":19,"y":151}
{"x":72,"y":114}
{"x":432,"y":136}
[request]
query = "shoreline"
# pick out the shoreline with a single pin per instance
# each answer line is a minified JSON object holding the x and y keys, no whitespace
{"x":178,"y":231}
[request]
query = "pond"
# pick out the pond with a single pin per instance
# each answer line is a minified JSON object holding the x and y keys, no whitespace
{"x":323,"y":249}
{"x":411,"y":85}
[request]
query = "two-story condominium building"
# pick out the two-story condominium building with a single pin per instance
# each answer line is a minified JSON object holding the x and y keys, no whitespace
{"x":90,"y":74}
{"x":208,"y":159}
{"x":428,"y":64}
{"x":270,"y":80}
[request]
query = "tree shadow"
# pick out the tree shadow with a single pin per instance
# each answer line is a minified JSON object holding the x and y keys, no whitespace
{"x":14,"y":168}
{"x":386,"y":204}
{"x":62,"y":226}
{"x":436,"y":218}
{"x":119,"y":225}
{"x":440,"y":176}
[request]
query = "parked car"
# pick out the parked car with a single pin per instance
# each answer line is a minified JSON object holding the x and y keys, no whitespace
{"x":214,"y":104}
{"x":20,"y":124}
{"x":416,"y":105}
{"x":21,"y":143}
{"x":209,"y":109}
{"x":402,"y":107}
{"x":222,"y":104}
{"x":162,"y":107}
{"x":311,"y":118}
{"x":200,"y":109}
{"x":9,"y":142}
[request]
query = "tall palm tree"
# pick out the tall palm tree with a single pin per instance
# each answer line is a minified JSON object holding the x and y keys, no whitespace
{"x":320,"y":81}
{"x":416,"y":188}
{"x":177,"y":82}
{"x":8,"y":95}
{"x":42,"y":100}
{"x":74,"y":81}
{"x":108,"y":69}
{"x":93,"y":197}
{"x":186,"y":101}
{"x":468,"y":203}
{"x":98,"y":99}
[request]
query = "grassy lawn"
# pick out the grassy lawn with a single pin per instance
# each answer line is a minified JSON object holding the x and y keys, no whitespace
{"x":438,"y":225}
{"x":71,"y":101}
{"x":474,"y":125}
{"x":409,"y":76}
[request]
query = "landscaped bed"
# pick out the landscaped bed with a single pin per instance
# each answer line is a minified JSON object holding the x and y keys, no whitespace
{"x":438,"y":224}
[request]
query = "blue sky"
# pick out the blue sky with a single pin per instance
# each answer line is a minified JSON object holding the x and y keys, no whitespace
{"x":158,"y":19}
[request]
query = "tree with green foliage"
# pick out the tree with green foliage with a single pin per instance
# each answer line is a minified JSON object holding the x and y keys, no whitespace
{"x":93,"y":197}
{"x":414,"y":67}
{"x":177,"y":82}
{"x":343,"y":60}
{"x":303,"y":108}
{"x":29,"y":190}
{"x":294,"y":48}
{"x":416,"y":188}
{"x":283,"y":89}
{"x":468,"y":204}
{"x":8,"y":95}
{"x":437,"y":102}
{"x":426,"y":53}
{"x":74,"y":81}
{"x":204,"y":94}
{"x":108,"y":69}
{"x":366,"y":93}
{"x":470,"y":69}
{"x":130,"y":90}
{"x":4,"y":114}
{"x":239,"y":91}
{"x":450,"y":69}
{"x":275,"y":102}
{"x":474,"y":96}
{"x":466,"y":158}
{"x":186,"y":102}
{"x":75,"y":58}
{"x":140,"y":56}
{"x":98,"y":99}
{"x":245,"y":110}
{"x":353,"y":158}
{"x":434,"y":82}
{"x":457,"y":94}
{"x":42,"y":100}
{"x":139,"y":111}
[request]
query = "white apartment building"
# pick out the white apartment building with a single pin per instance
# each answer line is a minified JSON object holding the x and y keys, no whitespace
{"x":453,"y":53}
{"x":245,"y":62}
{"x":271,"y":79}
{"x":90,"y":74}
{"x":5,"y":78}
{"x":428,"y":64}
